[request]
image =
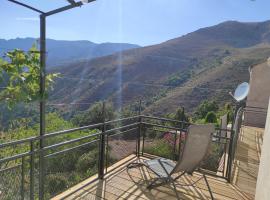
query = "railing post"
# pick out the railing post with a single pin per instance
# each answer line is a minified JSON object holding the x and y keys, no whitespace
{"x":182,"y":127}
{"x":102,"y":145}
{"x":32,"y":163}
{"x":140,"y":129}
{"x":234,"y":137}
{"x":230,"y":161}
{"x":22,"y":180}
{"x":174,"y":146}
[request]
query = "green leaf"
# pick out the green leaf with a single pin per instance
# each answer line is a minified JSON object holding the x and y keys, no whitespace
{"x":22,"y":85}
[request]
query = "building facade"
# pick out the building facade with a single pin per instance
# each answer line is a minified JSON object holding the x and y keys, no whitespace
{"x":258,"y":98}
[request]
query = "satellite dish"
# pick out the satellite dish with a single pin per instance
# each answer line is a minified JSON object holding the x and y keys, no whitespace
{"x":241,"y":92}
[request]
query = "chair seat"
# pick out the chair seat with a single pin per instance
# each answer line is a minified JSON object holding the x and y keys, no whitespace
{"x":161,"y":166}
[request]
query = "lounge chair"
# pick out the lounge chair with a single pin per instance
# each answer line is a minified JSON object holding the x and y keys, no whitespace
{"x":196,"y":147}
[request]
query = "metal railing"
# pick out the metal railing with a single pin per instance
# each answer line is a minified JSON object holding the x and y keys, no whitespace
{"x":97,"y":147}
{"x":24,"y":155}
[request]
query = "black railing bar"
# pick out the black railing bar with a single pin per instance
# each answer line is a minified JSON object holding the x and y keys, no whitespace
{"x":162,"y":126}
{"x":54,"y":134}
{"x":221,"y":137}
{"x":15,"y":157}
{"x":122,"y":127}
{"x":72,"y":130}
{"x":217,"y":129}
{"x":17,"y":142}
{"x":123,"y":119}
{"x":160,"y":130}
{"x":53,"y":146}
{"x":69,"y":149}
{"x":10,"y":158}
{"x":164,"y":119}
{"x":218,"y":142}
{"x":123,"y":132}
{"x":70,"y":141}
{"x":223,"y":129}
{"x":10,"y":168}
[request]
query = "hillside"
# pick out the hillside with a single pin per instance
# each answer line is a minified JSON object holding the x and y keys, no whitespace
{"x":183,"y":71}
{"x":60,"y":51}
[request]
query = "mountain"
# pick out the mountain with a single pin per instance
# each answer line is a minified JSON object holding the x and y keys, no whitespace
{"x":205,"y":64}
{"x":60,"y":51}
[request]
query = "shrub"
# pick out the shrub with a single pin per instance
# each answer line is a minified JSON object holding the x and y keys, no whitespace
{"x":63,"y":162}
{"x":211,"y":161}
{"x":87,"y":162}
{"x":160,"y":148}
{"x":206,"y":107}
{"x":211,"y":117}
{"x":56,"y":183}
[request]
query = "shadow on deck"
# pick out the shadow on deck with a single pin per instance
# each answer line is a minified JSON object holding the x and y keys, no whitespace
{"x":121,"y":183}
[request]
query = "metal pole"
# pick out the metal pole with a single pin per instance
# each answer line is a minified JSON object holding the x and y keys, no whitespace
{"x":140,"y":129}
{"x":102,"y":145}
{"x":174,"y":145}
{"x":42,"y":102}
{"x":231,"y":145}
{"x":32,"y":162}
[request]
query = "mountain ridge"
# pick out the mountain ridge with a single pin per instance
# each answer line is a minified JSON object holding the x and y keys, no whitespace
{"x":63,"y":51}
{"x":162,"y":74}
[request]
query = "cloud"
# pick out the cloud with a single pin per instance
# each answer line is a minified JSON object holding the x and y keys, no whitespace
{"x":27,"y":19}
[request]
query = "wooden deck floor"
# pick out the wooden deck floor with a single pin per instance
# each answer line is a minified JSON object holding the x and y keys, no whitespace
{"x":247,"y":160}
{"x":121,"y":183}
{"x":131,"y":184}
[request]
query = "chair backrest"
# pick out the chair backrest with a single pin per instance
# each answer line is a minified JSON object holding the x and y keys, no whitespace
{"x":196,"y":147}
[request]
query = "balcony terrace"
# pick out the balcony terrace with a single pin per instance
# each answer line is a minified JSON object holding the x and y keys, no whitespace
{"x":120,"y":183}
{"x":231,"y":167}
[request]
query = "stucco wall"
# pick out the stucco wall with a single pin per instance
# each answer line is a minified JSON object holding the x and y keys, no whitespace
{"x":258,"y":95}
{"x":263,"y":181}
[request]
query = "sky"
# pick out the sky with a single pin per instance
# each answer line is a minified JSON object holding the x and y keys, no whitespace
{"x":142,"y":22}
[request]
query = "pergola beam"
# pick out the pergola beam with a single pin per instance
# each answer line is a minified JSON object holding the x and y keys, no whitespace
{"x":27,"y":6}
{"x":71,"y":1}
{"x":58,"y":10}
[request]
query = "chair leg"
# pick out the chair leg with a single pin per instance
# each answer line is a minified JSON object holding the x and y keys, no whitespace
{"x":208,"y":186}
{"x":152,"y":184}
{"x":134,"y":165}
{"x":175,"y":190}
{"x":179,"y":176}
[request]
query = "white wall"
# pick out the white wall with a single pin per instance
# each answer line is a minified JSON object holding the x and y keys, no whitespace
{"x":263,"y":181}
